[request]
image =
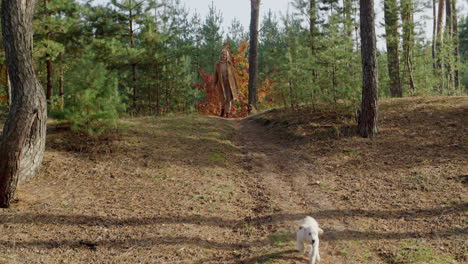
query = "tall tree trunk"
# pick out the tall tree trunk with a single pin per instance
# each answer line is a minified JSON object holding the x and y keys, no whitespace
{"x":49,"y":81}
{"x":347,"y":13}
{"x":23,"y":142}
{"x":407,"y":17}
{"x":312,"y":24}
{"x":61,"y":93}
{"x":434,"y":33}
{"x":253,"y":65}
{"x":456,"y":44}
{"x":449,"y":59}
{"x":367,"y":122}
{"x":439,"y":44}
{"x":48,"y":61}
{"x":132,"y":45}
{"x":392,"y":38}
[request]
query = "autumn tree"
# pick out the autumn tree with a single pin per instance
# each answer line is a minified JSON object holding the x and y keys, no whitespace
{"x":367,"y":120}
{"x":253,"y":66}
{"x":23,"y":141}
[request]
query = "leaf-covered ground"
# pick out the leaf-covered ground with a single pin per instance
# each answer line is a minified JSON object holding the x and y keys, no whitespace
{"x":196,"y":189}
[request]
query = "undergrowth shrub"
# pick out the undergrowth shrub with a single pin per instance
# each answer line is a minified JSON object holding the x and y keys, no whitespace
{"x":92,"y":101}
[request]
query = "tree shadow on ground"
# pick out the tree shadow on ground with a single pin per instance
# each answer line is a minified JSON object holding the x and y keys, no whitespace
{"x":89,"y":220}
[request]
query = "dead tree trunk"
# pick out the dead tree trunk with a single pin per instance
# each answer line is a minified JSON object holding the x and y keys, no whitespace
{"x":367,"y":123}
{"x":253,"y":66}
{"x":23,"y":141}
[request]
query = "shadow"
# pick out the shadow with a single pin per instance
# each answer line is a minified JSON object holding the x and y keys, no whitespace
{"x":272,"y":256}
{"x":89,"y":220}
{"x":123,"y":244}
{"x":329,"y":235}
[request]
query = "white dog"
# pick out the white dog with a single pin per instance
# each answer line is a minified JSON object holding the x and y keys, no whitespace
{"x":308,"y":235}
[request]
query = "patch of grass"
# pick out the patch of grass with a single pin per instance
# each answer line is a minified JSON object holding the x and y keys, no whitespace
{"x":422,"y":181}
{"x":356,"y":251}
{"x":280,"y":238}
{"x":352,"y":153}
{"x":248,"y":229}
{"x":216,"y":157}
{"x":416,"y":253}
{"x":267,"y":258}
{"x":160,"y":176}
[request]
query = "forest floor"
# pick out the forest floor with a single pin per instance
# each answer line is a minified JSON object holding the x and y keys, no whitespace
{"x":198,"y":189}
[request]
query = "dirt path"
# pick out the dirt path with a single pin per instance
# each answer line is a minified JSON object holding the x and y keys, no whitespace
{"x":282,"y":181}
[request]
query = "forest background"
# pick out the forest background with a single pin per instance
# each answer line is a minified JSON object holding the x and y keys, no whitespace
{"x":98,"y":62}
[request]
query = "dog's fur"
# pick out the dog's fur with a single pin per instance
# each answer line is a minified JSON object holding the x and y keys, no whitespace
{"x":308,"y":235}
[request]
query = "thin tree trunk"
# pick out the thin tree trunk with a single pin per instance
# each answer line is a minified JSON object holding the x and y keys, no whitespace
{"x":456,"y":44}
{"x":439,"y":44}
{"x":409,"y":65}
{"x":48,"y":61}
{"x":407,"y":11}
{"x":434,"y":33}
{"x":49,"y":81}
{"x":367,"y":123}
{"x":392,"y":39}
{"x":312,"y":24}
{"x":448,"y":61}
{"x":253,"y":65}
{"x":132,"y":45}
{"x":61,"y":93}
{"x":23,"y":142}
{"x":347,"y":13}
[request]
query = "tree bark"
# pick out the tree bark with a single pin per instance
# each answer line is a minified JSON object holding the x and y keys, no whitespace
{"x":49,"y":81}
{"x":448,"y":61}
{"x":61,"y":93}
{"x":434,"y":33}
{"x":439,"y":44}
{"x":407,"y":17}
{"x":23,"y":141}
{"x":253,"y":65}
{"x":456,"y":43}
{"x":49,"y":89}
{"x":392,"y":38}
{"x":8,"y":87}
{"x":347,"y":4}
{"x":312,"y":24}
{"x":367,"y":122}
{"x":132,"y":45}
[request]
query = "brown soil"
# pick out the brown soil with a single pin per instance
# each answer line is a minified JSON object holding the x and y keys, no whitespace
{"x":198,"y":189}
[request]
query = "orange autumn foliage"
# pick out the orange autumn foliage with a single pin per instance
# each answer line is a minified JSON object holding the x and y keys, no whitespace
{"x":211,"y":104}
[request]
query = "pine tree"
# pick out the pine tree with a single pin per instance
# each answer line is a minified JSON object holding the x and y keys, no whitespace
{"x":253,"y":55}
{"x":24,"y":134}
{"x":392,"y":39}
{"x":367,"y":121}
{"x":211,"y":39}
{"x":407,"y":17}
